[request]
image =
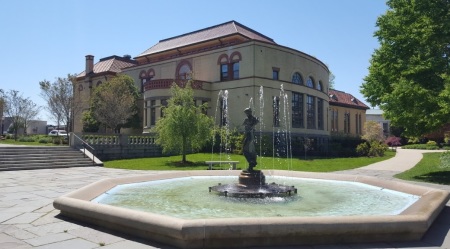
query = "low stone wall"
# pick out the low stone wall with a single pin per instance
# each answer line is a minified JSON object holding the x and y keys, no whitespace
{"x":112,"y":147}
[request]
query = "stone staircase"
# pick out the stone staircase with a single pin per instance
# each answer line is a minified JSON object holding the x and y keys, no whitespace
{"x":41,"y":157}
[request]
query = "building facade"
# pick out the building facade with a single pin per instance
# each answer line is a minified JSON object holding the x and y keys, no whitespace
{"x":376,"y":115}
{"x":232,"y":67}
{"x":347,"y":114}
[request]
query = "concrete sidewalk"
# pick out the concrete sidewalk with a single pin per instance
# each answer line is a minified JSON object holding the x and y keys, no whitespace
{"x":28,"y":219}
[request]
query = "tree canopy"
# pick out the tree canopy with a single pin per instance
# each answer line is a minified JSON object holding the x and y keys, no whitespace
{"x":409,"y":74}
{"x":184,"y":126}
{"x":60,"y":101}
{"x":19,"y":108}
{"x":114,"y":103}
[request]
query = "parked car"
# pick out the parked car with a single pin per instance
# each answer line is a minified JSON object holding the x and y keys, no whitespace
{"x":56,"y":133}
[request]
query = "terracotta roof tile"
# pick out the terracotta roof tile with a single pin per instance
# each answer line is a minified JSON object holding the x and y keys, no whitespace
{"x":214,"y":32}
{"x":113,"y":64}
{"x":345,"y":99}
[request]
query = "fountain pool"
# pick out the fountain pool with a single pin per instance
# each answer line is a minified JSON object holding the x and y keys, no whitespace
{"x":187,"y":198}
{"x":408,"y":223}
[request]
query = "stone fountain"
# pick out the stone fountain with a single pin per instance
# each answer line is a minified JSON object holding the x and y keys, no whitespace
{"x":252,"y":183}
{"x":237,"y":232}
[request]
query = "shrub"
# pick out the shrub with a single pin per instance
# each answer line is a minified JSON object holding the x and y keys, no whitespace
{"x":26,"y":139}
{"x":421,"y":147}
{"x":44,"y":140}
{"x":393,"y":141}
{"x":431,"y":142}
{"x":363,"y":149}
{"x":372,"y":149}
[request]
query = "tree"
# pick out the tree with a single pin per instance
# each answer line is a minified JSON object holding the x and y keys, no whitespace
{"x":331,"y":83}
{"x":20,"y":109}
{"x":409,"y":74}
{"x":373,"y":132}
{"x":184,"y":127}
{"x":60,"y":101}
{"x":114,"y":103}
{"x":89,"y":122}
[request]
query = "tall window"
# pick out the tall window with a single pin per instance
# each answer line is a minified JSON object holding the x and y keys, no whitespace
{"x":320,"y":125}
{"x":223,"y":72}
{"x":163,"y":104}
{"x":153,"y":112}
{"x":319,"y":86}
{"x":297,"y":110}
{"x":334,"y":120}
{"x":347,"y":122}
{"x":276,"y":111}
{"x":235,"y":75}
{"x":310,"y":82}
{"x":360,"y":124}
{"x":146,"y":114}
{"x":297,"y":79}
{"x":311,"y":112}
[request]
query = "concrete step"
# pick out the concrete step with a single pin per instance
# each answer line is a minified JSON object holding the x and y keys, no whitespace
{"x":41,"y":157}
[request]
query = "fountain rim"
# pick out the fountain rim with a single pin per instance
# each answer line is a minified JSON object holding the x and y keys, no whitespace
{"x":409,"y":225}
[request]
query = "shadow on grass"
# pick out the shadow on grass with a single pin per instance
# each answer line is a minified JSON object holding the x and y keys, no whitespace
{"x":439,"y":177}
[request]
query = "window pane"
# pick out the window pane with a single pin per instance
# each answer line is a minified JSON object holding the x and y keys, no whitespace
{"x":236,"y":70}
{"x":297,"y":79}
{"x":184,"y":72}
{"x":297,"y":110}
{"x":311,"y":111}
{"x":310,"y":82}
{"x":320,"y":125}
{"x":223,"y":72}
{"x":275,"y":74}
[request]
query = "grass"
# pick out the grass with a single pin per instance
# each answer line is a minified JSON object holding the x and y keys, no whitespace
{"x":428,"y":170}
{"x":33,"y":140}
{"x":197,"y":162}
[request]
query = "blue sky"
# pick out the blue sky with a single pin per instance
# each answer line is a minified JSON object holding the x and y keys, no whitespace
{"x":49,"y":38}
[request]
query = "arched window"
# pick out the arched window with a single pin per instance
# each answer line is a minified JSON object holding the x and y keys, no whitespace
{"x":319,"y":86}
{"x":297,"y":79}
{"x":184,"y":71}
{"x":229,"y":66}
{"x":310,"y":82}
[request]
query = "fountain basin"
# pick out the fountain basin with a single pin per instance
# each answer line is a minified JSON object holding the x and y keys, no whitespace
{"x":409,"y":225}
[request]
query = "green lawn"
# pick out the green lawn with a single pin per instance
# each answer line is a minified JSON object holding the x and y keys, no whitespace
{"x":198,"y":163}
{"x":33,"y":140}
{"x":428,"y":170}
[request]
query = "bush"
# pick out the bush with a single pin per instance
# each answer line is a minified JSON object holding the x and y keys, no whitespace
{"x":431,"y":142}
{"x":393,"y":141}
{"x":26,"y":139}
{"x":421,"y":147}
{"x":45,"y":140}
{"x":372,"y":149}
{"x":363,"y":149}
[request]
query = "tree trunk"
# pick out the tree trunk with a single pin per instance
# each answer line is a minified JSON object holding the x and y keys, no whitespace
{"x":183,"y":148}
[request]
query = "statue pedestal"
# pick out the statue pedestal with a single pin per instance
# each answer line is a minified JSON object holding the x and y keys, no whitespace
{"x":252,"y":178}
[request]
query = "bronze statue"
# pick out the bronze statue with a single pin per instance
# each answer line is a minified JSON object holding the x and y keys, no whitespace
{"x":248,"y":144}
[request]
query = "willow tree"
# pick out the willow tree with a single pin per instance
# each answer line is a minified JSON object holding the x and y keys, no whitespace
{"x":409,"y":74}
{"x":114,"y":103}
{"x":184,"y":126}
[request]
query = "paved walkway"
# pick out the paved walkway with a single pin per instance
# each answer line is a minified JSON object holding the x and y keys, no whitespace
{"x":28,"y":219}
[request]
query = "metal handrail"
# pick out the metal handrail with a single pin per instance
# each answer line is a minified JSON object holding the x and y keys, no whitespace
{"x":85,"y":144}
